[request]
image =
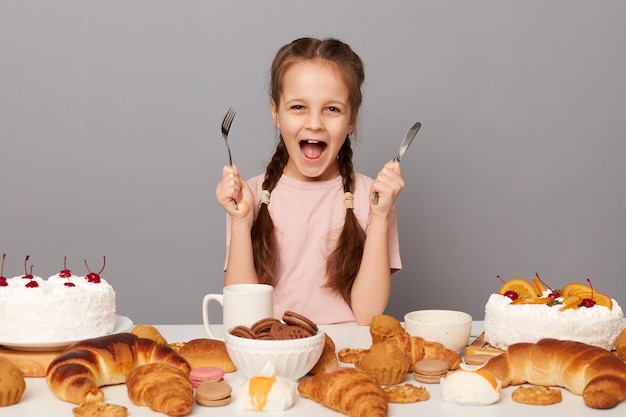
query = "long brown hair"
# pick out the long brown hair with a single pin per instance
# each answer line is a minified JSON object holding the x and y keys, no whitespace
{"x":344,"y":262}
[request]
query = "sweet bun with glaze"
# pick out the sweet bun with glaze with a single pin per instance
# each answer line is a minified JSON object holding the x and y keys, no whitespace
{"x":384,"y":327}
{"x":207,"y":353}
{"x":12,"y":384}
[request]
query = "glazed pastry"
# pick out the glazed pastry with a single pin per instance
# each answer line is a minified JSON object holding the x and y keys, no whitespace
{"x":149,"y":332}
{"x":386,"y":363}
{"x":416,"y":349}
{"x":78,"y":372}
{"x":620,"y":345}
{"x":100,"y":409}
{"x":12,"y":384}
{"x":350,"y":391}
{"x":163,"y":388}
{"x":207,"y":352}
{"x":328,"y":360}
{"x":595,"y":373}
{"x":384,"y":327}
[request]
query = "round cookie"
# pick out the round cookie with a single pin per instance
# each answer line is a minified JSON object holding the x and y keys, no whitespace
{"x":243,"y":331}
{"x":296,"y":319}
{"x":263,"y":326}
{"x":198,"y":376}
{"x":537,"y":395}
{"x":213,"y":394}
{"x":430,"y":371}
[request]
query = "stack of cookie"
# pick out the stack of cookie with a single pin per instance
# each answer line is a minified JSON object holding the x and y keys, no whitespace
{"x":292,"y":326}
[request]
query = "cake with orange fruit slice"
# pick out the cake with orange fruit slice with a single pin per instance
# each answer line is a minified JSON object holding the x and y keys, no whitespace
{"x":528,"y":310}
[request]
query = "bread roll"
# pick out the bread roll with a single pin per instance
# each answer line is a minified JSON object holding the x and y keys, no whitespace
{"x":12,"y":384}
{"x":595,"y":373}
{"x":207,"y":352}
{"x":328,"y":359}
{"x":384,"y":327}
{"x":78,"y":372}
{"x":149,"y":332}
{"x":620,"y":345}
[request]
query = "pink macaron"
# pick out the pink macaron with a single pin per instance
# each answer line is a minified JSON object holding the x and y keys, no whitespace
{"x":204,"y":374}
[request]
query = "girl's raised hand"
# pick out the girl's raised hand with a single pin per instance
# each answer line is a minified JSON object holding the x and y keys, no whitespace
{"x":233,"y":188}
{"x":388,"y":184}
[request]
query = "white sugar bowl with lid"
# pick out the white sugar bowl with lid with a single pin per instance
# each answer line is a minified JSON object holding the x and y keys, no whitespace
{"x":448,"y":327}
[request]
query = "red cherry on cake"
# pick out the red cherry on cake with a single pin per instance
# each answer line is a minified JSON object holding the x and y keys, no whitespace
{"x":588,"y":302}
{"x":92,"y":276}
{"x":29,"y":275}
{"x":65,"y":273}
{"x":26,"y":274}
{"x":511,"y":294}
{"x":3,"y":280}
{"x":555,"y":294}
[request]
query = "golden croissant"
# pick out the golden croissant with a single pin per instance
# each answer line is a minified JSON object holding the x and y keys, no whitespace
{"x":78,"y":372}
{"x":349,"y":391}
{"x":595,"y":373}
{"x":161,"y":387}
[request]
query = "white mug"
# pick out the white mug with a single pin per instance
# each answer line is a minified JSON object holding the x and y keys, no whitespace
{"x":242,"y":304}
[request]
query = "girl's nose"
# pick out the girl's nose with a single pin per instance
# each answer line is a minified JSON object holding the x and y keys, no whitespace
{"x":314,"y":122}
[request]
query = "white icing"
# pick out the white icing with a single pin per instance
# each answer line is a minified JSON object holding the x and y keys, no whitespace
{"x":54,"y":312}
{"x":469,"y":387}
{"x":281,"y":396}
{"x":506,"y":323}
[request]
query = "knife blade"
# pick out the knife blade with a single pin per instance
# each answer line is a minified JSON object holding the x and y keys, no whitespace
{"x":408,"y":138}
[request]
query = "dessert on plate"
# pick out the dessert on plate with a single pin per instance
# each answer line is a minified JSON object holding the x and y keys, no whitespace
{"x":522,"y":311}
{"x":64,"y":307}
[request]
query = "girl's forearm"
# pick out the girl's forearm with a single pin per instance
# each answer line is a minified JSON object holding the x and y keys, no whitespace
{"x":372,"y":287}
{"x":240,"y":267}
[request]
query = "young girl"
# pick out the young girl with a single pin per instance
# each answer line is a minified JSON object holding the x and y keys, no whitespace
{"x":308,"y":226}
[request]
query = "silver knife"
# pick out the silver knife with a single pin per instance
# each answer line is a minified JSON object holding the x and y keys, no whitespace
{"x":408,"y":138}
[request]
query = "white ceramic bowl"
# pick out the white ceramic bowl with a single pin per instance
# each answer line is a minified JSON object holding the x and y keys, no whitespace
{"x":448,"y":327}
{"x":292,"y":358}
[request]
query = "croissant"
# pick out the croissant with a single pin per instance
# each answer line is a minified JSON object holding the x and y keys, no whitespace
{"x":595,"y":373}
{"x":78,"y":372}
{"x":349,"y":391}
{"x":161,"y":387}
{"x":416,"y":348}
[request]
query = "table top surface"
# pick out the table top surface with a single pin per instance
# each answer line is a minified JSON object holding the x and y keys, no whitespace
{"x":38,"y":400}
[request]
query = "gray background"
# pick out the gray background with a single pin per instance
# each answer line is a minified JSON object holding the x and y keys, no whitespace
{"x":110,"y":143}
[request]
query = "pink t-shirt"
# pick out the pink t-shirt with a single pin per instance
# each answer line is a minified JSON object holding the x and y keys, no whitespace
{"x":308,"y":217}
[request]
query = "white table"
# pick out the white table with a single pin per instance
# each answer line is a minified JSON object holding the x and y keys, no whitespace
{"x":38,"y":400}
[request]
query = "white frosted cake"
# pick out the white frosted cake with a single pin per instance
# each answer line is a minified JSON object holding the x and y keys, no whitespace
{"x":64,"y":307}
{"x":507,"y":323}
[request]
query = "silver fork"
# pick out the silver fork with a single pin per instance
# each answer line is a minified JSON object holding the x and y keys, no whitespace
{"x":228,"y":120}
{"x":226,"y":123}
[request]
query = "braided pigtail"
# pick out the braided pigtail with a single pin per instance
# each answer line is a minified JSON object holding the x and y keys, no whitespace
{"x":262,"y":233}
{"x":343,"y":264}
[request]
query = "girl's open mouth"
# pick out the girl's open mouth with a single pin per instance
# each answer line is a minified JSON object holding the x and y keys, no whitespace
{"x":312,"y":149}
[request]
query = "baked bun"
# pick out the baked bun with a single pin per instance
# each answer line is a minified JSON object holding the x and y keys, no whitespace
{"x":620,"y":345}
{"x":149,"y":332}
{"x":384,"y":327}
{"x":328,"y":359}
{"x":77,"y":374}
{"x":595,"y":373}
{"x":12,"y":384}
{"x":207,"y":352}
{"x":385,"y":362}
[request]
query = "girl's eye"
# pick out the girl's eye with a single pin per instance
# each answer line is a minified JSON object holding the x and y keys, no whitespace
{"x":333,"y":109}
{"x":297,"y":107}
